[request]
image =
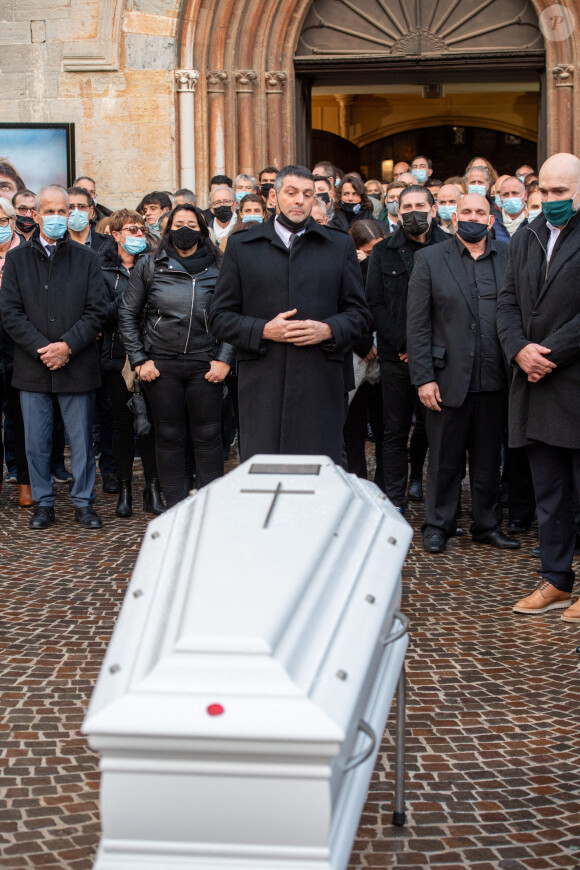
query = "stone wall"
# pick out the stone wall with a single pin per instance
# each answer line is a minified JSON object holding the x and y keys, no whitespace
{"x":124,"y":118}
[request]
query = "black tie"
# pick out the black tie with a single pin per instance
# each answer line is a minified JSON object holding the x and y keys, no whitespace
{"x":293,"y":238}
{"x":50,"y":250}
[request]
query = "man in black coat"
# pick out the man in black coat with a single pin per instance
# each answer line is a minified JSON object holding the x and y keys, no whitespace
{"x":289,"y":296}
{"x":456,"y":362}
{"x":539,"y":326}
{"x":390,"y":267}
{"x":53,"y":305}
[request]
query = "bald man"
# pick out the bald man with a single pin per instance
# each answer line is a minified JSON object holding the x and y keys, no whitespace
{"x":539,"y":326}
{"x":447,"y":206}
{"x":456,"y":362}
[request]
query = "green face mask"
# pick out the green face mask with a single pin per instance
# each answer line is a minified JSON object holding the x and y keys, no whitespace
{"x":559,"y":212}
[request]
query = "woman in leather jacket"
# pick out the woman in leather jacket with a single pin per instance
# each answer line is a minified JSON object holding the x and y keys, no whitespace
{"x":117,"y":262}
{"x":163,"y":319}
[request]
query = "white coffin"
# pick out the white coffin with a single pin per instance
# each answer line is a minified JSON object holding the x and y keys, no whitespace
{"x":248,"y":648}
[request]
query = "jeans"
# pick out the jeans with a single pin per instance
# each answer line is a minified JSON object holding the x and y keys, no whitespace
{"x":77,"y":414}
{"x":181,"y":397}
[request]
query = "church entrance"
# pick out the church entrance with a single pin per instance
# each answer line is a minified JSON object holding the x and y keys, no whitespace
{"x":380,"y":81}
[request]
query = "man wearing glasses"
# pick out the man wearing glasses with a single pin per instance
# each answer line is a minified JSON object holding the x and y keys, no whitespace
{"x":221,"y":204}
{"x":81,"y":211}
{"x":23,"y":204}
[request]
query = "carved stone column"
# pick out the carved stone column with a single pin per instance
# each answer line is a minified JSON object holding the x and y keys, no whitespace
{"x":245,"y":79}
{"x":564,"y":80}
{"x":186,"y":80}
{"x":216,"y":90}
{"x":344,"y":103}
{"x":275,"y":84}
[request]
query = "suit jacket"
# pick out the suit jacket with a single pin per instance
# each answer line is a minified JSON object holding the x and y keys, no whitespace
{"x":291,"y":398}
{"x":441,"y":319}
{"x":540,"y":303}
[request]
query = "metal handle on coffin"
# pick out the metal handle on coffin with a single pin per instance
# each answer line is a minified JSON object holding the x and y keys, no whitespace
{"x":358,"y":759}
{"x":391,"y":638}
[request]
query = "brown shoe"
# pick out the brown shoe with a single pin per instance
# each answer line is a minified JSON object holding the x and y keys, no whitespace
{"x":25,"y":496}
{"x":545,"y":597}
{"x":572,"y":614}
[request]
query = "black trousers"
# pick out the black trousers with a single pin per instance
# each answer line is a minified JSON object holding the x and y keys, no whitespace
{"x":124,"y":432}
{"x":476,"y":428}
{"x":178,"y":397}
{"x":556,"y":471}
{"x":12,"y":397}
{"x":399,"y":402}
{"x":366,"y":407}
{"x":520,"y":486}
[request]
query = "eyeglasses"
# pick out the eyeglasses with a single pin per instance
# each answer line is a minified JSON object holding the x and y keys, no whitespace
{"x":24,"y":209}
{"x":80,"y":206}
{"x":132,"y":230}
{"x":4,"y":222}
{"x":221,"y":202}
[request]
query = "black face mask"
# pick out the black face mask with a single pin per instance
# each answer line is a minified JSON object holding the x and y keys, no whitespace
{"x":325,"y":197}
{"x":223,"y":213}
{"x":376,"y":196}
{"x":265,"y":189}
{"x":471,"y":232}
{"x":271,"y":209}
{"x":184,"y":238}
{"x":415,"y":222}
{"x":292,"y":225}
{"x":24,"y":224}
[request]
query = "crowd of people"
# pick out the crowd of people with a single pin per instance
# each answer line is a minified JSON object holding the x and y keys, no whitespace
{"x":305,"y":312}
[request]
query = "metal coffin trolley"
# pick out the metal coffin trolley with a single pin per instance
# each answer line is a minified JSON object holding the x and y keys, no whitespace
{"x":243,"y":696}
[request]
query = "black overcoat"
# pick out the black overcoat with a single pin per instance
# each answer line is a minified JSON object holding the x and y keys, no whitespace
{"x":441,"y":319}
{"x":291,"y":398}
{"x":58,"y":299}
{"x":542,"y":305}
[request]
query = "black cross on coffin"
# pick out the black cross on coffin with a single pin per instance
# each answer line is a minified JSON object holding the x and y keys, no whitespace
{"x":276,"y":492}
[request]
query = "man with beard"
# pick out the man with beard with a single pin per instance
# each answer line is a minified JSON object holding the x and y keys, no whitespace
{"x":289,"y":296}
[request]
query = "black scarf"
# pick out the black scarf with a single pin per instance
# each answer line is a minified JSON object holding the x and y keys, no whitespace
{"x":194,"y":263}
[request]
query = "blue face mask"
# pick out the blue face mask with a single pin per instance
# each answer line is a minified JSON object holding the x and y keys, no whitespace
{"x":54,"y":226}
{"x":252,"y":218}
{"x":240,"y":194}
{"x":134,"y":244}
{"x":77,"y":220}
{"x":498,"y":200}
{"x":446,"y":212}
{"x":533,"y":214}
{"x":420,"y":175}
{"x":5,"y":234}
{"x":477,"y":188}
{"x":513,"y":204}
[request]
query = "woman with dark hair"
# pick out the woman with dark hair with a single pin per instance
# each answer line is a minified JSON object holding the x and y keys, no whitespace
{"x":366,"y":406}
{"x":118,"y":258}
{"x":163,"y":318}
{"x":252,"y":211}
{"x":352,"y":203}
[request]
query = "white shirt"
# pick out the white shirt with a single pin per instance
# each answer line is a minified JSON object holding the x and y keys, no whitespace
{"x":284,"y":233}
{"x":222,"y":232}
{"x":554,"y":233}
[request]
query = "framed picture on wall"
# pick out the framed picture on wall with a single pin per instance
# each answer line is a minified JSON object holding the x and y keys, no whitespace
{"x":34,"y":155}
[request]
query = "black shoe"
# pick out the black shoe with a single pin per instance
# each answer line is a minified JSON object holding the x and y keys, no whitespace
{"x":458,"y":531}
{"x":61,"y":475}
{"x":152,"y":497}
{"x":518,"y":526}
{"x":535,"y":553}
{"x":42,"y":518}
{"x":499,"y":540}
{"x":88,"y":518}
{"x":415,"y":491}
{"x":125,"y":501}
{"x":434,"y":543}
{"x":110,"y":483}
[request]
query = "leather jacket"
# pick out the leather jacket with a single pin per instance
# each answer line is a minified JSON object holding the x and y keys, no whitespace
{"x":165,"y":312}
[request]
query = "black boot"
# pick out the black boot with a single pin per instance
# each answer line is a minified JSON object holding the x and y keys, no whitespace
{"x":152,"y":497}
{"x":125,"y":500}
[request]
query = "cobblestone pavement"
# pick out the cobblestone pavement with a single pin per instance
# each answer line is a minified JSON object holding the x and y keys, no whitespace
{"x":493,"y":736}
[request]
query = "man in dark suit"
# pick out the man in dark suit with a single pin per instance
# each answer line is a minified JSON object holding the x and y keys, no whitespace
{"x":289,"y":296}
{"x":53,"y":306}
{"x":456,"y":361}
{"x":539,"y":323}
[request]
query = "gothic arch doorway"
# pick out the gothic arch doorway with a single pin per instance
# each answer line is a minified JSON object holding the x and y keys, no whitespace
{"x":376,"y":68}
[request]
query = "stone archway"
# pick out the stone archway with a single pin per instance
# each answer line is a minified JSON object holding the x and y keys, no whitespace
{"x":241,"y":57}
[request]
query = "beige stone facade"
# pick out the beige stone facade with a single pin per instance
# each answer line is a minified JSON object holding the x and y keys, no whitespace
{"x":165,"y":93}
